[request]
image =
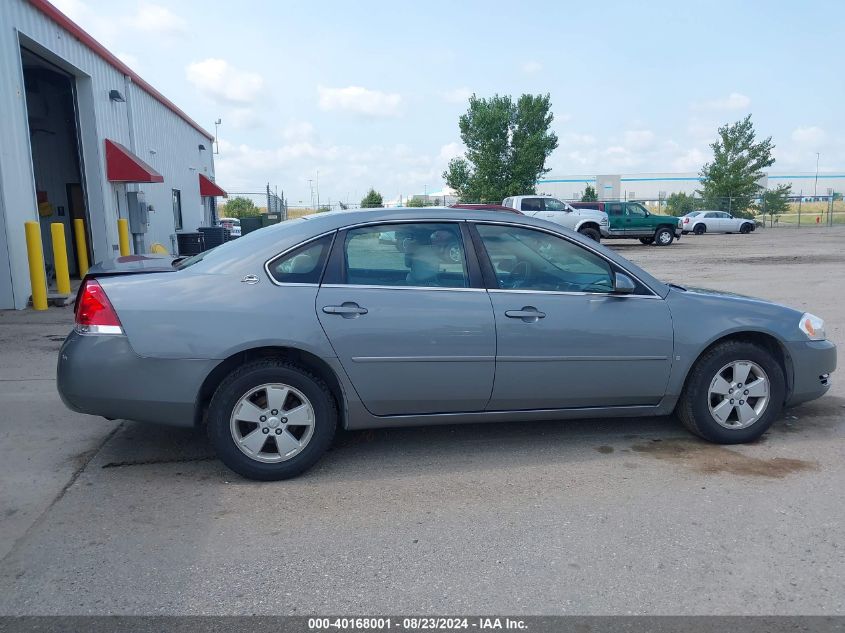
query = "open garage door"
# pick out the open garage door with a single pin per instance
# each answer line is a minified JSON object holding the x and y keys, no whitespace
{"x":53,"y":133}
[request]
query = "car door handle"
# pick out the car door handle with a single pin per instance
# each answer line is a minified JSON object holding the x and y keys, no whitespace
{"x":348,"y":310}
{"x":529,"y":314}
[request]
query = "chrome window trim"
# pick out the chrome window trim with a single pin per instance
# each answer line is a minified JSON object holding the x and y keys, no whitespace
{"x":571,"y":293}
{"x":571,"y":241}
{"x":377,"y":287}
{"x":293,"y":248}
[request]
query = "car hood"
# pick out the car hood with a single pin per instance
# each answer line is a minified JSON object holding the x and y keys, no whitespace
{"x":735,"y":301}
{"x":133,"y":264}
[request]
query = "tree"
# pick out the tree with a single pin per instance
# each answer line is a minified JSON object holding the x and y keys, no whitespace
{"x":776,"y":201}
{"x":372,"y":200}
{"x":679,"y":204}
{"x":589,"y":194}
{"x":507,"y":147}
{"x":729,"y":182}
{"x":418,"y":201}
{"x":240,"y":207}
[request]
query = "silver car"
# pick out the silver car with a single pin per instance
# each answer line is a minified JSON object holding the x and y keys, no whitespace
{"x":700,"y":222}
{"x":275,"y":340}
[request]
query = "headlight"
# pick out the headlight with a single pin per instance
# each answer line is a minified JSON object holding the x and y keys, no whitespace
{"x":812,"y":326}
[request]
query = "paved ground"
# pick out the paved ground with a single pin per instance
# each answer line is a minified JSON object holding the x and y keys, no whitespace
{"x":582,"y":517}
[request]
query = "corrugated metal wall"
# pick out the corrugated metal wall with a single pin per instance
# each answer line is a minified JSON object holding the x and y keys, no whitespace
{"x":154,"y":126}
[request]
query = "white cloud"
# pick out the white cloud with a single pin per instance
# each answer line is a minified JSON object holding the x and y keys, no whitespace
{"x":458,"y":95}
{"x":532,"y":67}
{"x":359,"y":100}
{"x":690,"y":160}
{"x":450,"y":151}
{"x":574,"y":139}
{"x":810,"y":135}
{"x":639,"y":139}
{"x":734,"y":101}
{"x":154,"y":18}
{"x":222,"y":82}
{"x":298,"y":131}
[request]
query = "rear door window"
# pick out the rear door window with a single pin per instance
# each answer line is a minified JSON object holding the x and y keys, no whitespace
{"x":425,"y":254}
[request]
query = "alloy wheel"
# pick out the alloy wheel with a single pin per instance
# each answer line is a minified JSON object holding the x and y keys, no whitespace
{"x":272,"y":423}
{"x":738,"y":394}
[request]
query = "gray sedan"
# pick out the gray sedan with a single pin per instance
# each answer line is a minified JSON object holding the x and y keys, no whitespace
{"x":275,"y":340}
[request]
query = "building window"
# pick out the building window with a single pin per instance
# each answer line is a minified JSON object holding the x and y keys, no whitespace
{"x":177,"y":209}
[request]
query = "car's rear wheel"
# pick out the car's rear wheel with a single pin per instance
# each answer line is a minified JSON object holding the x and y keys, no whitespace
{"x":647,"y":240}
{"x":271,"y":420}
{"x":746,"y":228}
{"x":699,"y":229}
{"x":593,"y":234}
{"x":664,"y":236}
{"x":733,"y":394}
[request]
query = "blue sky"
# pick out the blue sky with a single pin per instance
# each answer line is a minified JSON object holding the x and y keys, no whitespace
{"x":369,"y":93}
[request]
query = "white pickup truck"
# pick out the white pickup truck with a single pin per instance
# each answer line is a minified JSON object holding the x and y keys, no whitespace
{"x":588,"y":222}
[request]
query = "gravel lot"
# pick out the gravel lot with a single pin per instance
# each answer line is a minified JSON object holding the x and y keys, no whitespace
{"x":588,"y":517}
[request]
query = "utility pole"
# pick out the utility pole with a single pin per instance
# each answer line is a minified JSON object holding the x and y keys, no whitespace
{"x":217,"y":123}
{"x":816,"y":184}
{"x":318,"y":188}
{"x":311,"y":187}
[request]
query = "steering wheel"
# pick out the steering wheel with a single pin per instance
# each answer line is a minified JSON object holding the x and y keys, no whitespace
{"x":520,"y":274}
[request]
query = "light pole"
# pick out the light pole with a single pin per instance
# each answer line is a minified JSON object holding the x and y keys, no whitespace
{"x":816,"y":183}
{"x":216,"y":142}
{"x":317,"y":185}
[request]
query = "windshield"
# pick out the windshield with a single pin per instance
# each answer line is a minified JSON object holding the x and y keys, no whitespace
{"x":692,"y":214}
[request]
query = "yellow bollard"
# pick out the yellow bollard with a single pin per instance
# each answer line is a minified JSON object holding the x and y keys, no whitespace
{"x":35,"y":253}
{"x":81,"y":246}
{"x":123,"y":234}
{"x":57,"y":231}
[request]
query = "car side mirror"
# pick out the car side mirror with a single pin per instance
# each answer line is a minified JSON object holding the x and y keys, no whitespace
{"x":623,"y":284}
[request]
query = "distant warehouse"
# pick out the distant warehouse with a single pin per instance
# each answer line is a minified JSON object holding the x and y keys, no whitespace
{"x":84,"y":137}
{"x":659,"y":186}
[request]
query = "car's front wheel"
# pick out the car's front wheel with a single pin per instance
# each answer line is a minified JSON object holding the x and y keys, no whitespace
{"x":664,"y":236}
{"x":746,"y":228}
{"x":733,"y":394}
{"x":271,"y":420}
{"x":590,"y":232}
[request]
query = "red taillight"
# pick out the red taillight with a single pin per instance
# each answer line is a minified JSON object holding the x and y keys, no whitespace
{"x":94,"y":311}
{"x":686,"y":220}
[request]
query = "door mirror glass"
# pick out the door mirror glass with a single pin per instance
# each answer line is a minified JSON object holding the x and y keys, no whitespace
{"x":623,"y":284}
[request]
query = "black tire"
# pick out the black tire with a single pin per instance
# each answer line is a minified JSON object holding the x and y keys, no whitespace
{"x":693,"y":408}
{"x":593,"y":234}
{"x":699,"y":229}
{"x":254,"y":374}
{"x":647,"y":240}
{"x":664,"y":236}
{"x":746,"y":228}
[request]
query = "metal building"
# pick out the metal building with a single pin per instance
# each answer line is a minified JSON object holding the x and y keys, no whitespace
{"x":84,"y":137}
{"x":658,"y":186}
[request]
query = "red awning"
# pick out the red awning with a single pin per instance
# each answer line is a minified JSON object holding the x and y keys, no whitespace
{"x":123,"y":166}
{"x":208,"y":188}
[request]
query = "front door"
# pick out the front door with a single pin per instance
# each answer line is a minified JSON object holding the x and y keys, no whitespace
{"x":563,"y":339}
{"x":637,"y":222}
{"x":399,"y":307}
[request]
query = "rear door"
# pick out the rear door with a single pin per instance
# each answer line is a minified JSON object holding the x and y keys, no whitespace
{"x":563,"y":340}
{"x":616,"y":214}
{"x":412,"y":327}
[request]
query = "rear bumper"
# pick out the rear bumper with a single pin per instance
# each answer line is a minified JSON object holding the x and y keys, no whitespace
{"x":813,"y":362}
{"x":102,"y":375}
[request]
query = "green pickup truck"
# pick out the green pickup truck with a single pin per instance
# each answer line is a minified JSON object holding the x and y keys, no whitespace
{"x":631,"y":220}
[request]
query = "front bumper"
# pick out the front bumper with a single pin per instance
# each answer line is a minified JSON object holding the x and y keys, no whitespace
{"x":812,"y":364}
{"x":102,"y":375}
